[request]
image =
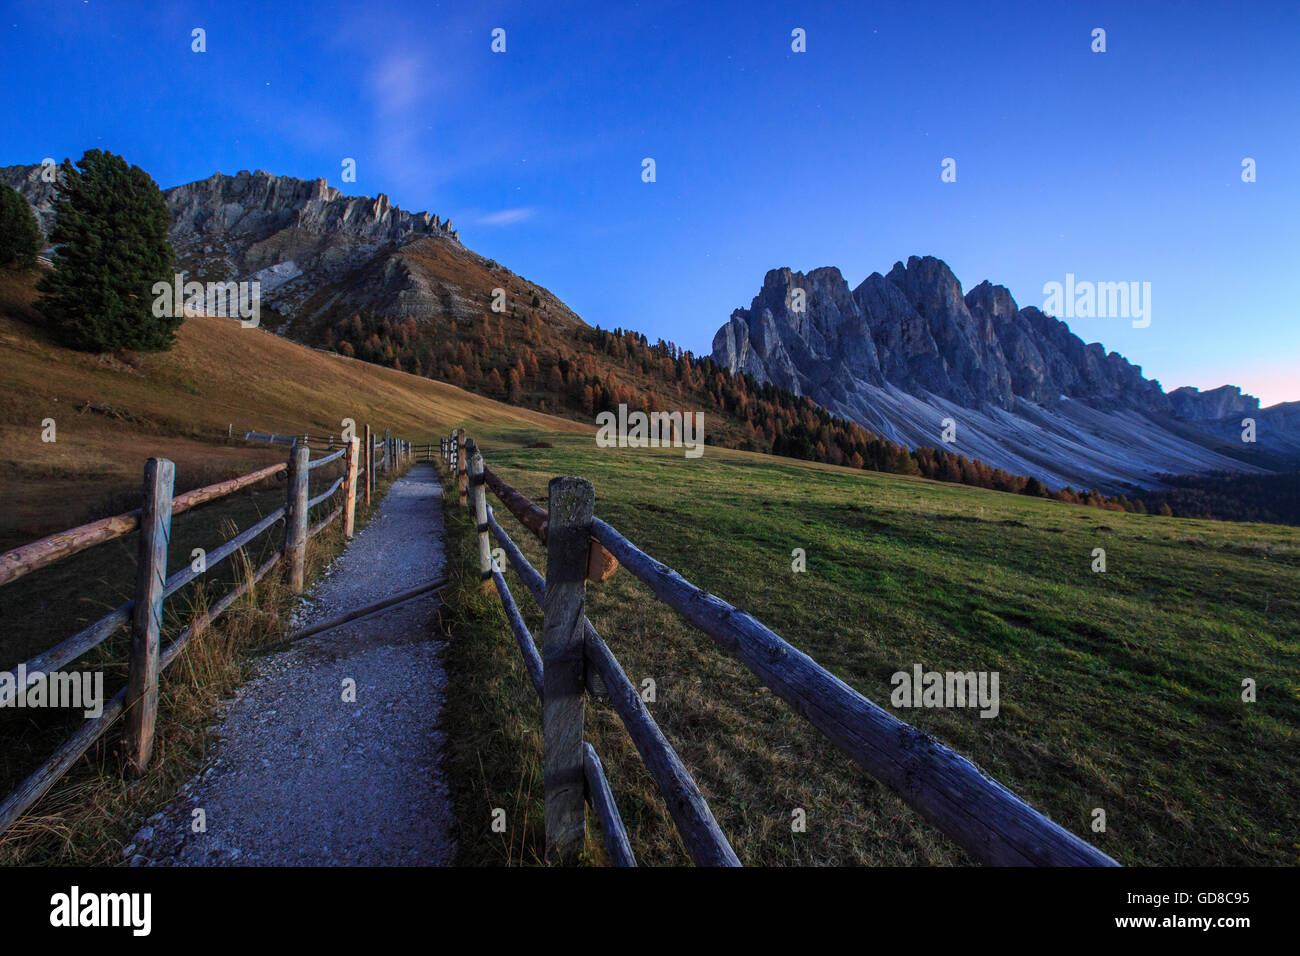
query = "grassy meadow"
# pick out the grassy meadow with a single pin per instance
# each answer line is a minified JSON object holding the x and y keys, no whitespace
{"x":1119,"y":690}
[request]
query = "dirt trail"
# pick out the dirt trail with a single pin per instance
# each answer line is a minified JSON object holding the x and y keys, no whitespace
{"x":302,"y":777}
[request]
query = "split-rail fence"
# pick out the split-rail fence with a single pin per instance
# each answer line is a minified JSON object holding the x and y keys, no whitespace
{"x":991,"y":823}
{"x":363,"y":458}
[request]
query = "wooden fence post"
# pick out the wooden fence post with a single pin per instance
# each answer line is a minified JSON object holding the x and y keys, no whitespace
{"x":563,"y":636}
{"x":388,"y":453}
{"x":368,"y":455}
{"x":146,"y":615}
{"x":478,"y":495}
{"x":295,"y":516}
{"x":350,"y":487}
{"x":462,"y":479}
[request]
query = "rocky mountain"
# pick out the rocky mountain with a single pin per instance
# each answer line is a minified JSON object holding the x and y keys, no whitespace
{"x":291,"y":235}
{"x":319,"y":255}
{"x":906,"y":352}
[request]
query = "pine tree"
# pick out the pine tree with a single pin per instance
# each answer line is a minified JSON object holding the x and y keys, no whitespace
{"x":110,"y":238}
{"x":20,"y":236}
{"x":1034,"y":488}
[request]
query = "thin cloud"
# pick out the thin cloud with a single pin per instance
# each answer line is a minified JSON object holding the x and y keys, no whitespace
{"x":508,"y":217}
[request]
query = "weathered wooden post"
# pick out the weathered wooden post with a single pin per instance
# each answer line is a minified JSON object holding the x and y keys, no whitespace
{"x":369,"y":455}
{"x":478,"y":496}
{"x":571,"y":506}
{"x":388,"y":452}
{"x":295,"y":517}
{"x":350,"y":486}
{"x":146,"y":615}
{"x":462,"y":479}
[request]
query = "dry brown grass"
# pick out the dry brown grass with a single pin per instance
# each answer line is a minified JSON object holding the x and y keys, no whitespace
{"x":179,"y":404}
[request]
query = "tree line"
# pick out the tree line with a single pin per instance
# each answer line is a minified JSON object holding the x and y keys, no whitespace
{"x":580,"y":372}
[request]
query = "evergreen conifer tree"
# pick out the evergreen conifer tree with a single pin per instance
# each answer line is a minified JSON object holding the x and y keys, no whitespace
{"x":110,"y":238}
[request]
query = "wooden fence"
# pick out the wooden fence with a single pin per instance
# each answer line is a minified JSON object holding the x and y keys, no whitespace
{"x":986,"y":819}
{"x":363,"y":459}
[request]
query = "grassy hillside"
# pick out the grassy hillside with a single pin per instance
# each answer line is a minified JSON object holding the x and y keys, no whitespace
{"x":180,"y":404}
{"x":1119,"y":690}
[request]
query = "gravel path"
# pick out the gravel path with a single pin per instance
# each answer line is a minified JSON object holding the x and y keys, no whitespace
{"x":301,"y":777}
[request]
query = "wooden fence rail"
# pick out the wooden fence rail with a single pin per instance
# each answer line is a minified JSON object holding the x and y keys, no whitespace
{"x":587,"y":662}
{"x":991,"y":823}
{"x":144,"y":613}
{"x":23,"y":560}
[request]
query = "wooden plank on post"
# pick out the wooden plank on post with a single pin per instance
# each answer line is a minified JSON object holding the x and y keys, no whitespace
{"x":462,"y":479}
{"x":369,"y":453}
{"x":563,"y":641}
{"x":601,"y":565}
{"x":350,"y":487}
{"x":146,"y":615}
{"x":295,"y":516}
{"x":478,"y":494}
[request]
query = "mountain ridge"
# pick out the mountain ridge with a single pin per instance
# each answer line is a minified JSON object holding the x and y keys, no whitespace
{"x":898,"y":354}
{"x":905,"y":352}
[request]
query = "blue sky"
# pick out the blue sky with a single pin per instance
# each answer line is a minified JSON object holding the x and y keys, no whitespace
{"x":1115,"y":166}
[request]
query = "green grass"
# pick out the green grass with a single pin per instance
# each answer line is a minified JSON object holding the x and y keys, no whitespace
{"x":1119,"y":690}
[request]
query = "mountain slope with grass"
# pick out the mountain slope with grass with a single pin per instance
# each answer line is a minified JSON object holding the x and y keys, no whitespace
{"x":110,"y":414}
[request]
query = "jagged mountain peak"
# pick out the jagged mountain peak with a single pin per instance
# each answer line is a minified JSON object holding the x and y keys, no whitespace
{"x":903,"y":351}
